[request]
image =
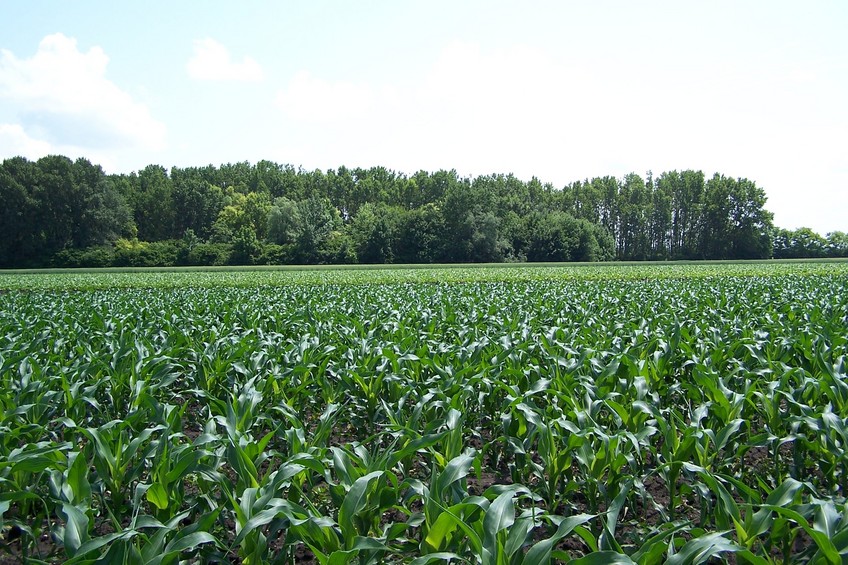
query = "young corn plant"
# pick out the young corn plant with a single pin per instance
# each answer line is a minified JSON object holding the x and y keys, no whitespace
{"x":23,"y":492}
{"x":677,"y":448}
{"x":145,"y":541}
{"x":254,"y":508}
{"x":120,"y":456}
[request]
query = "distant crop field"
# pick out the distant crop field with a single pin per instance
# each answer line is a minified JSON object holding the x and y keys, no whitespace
{"x":525,"y":414}
{"x":206,"y":277}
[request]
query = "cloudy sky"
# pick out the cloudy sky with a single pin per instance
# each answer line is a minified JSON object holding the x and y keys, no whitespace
{"x":561,"y":90}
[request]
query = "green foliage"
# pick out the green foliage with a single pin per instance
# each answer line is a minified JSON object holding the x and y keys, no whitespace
{"x":419,"y":237}
{"x":246,"y":247}
{"x":380,"y":216}
{"x":151,"y":197}
{"x":56,"y":204}
{"x":629,"y":414}
{"x":213,"y":254}
{"x":135,"y":253}
{"x":373,"y":231}
{"x":89,"y":257}
{"x":283,"y":222}
{"x":837,"y":244}
{"x":558,"y":237}
{"x":273,"y":254}
{"x":805,"y":243}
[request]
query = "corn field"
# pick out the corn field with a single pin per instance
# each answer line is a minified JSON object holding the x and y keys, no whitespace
{"x":680,"y":415}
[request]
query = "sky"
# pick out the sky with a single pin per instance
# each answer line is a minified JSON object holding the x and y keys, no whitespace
{"x":560,"y":90}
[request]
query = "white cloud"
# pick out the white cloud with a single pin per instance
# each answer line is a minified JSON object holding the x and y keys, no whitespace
{"x":62,"y":97}
{"x":212,"y":61}
{"x":312,"y":99}
{"x":14,"y":141}
{"x":564,"y":117}
{"x":479,"y":112}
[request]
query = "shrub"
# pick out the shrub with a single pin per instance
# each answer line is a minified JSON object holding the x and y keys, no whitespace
{"x":210,"y":254}
{"x":274,"y":254}
{"x":134,"y":253}
{"x":89,"y":257}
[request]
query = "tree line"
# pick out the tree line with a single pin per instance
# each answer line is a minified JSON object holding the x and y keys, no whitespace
{"x":59,"y":212}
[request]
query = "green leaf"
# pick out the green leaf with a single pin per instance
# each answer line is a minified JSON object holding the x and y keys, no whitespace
{"x":652,"y":549}
{"x":449,"y":520}
{"x":158,"y":496}
{"x":440,"y":530}
{"x":517,"y":536}
{"x":439,"y":556}
{"x":702,"y":549}
{"x":76,"y":528}
{"x":98,"y":542}
{"x":78,"y":477}
{"x":541,"y":552}
{"x":342,"y":556}
{"x":276,"y":508}
{"x":611,"y":519}
{"x":603,"y":558}
{"x":354,"y":502}
{"x":185,"y":464}
{"x":499,"y":516}
{"x":456,"y":469}
{"x":827,"y":519}
{"x":785,"y":493}
{"x":825,"y":545}
{"x":190,"y":541}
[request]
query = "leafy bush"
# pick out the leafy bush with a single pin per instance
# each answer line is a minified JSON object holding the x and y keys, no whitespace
{"x":210,"y":254}
{"x":134,"y":253}
{"x":90,"y":257}
{"x":274,"y":254}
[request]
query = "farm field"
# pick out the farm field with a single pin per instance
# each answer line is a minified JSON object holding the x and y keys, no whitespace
{"x":214,"y":277}
{"x":529,"y":414}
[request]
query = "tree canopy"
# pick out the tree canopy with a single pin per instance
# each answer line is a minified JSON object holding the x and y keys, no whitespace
{"x":70,"y":213}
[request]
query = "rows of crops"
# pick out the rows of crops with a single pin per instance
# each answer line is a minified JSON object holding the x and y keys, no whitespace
{"x":370,"y":274}
{"x":665,"y":420}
